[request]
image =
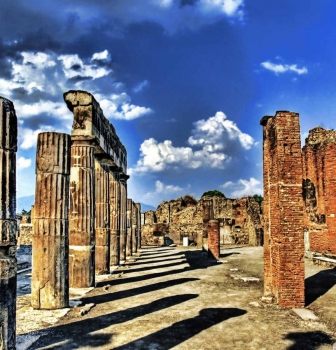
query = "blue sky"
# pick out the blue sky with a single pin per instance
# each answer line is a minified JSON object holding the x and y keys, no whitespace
{"x":184,"y":82}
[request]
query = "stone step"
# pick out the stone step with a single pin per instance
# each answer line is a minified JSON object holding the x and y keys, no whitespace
{"x":324,"y":261}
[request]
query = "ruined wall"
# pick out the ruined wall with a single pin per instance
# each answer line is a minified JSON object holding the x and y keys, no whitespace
{"x":319,"y":190}
{"x":239,"y":219}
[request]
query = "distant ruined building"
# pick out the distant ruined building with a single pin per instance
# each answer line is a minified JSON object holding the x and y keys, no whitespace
{"x":239,"y":220}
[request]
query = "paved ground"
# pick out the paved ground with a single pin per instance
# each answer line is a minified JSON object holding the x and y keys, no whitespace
{"x":173,"y":298}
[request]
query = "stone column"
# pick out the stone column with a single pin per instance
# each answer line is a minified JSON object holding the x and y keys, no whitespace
{"x":114,"y":216}
{"x":134,"y":228}
{"x":207,"y":215}
{"x":50,"y":282}
{"x":8,"y":265}
{"x":129,"y":242}
{"x":138,"y":208}
{"x":213,"y":238}
{"x":82,"y":210}
{"x":123,"y":216}
{"x":283,"y":210}
{"x":102,"y":223}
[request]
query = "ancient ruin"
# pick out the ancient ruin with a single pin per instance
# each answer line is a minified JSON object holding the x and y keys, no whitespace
{"x":50,"y":284}
{"x":8,"y":265}
{"x":239,"y":221}
{"x":283,"y":210}
{"x":319,"y":191}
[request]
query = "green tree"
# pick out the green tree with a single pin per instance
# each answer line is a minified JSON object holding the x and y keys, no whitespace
{"x":213,"y":193}
{"x":25,"y":212}
{"x":258,"y":198}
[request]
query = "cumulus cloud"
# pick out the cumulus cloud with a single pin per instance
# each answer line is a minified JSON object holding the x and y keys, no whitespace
{"x":283,"y":68}
{"x":23,"y":163}
{"x":28,"y":137}
{"x":212,"y":142}
{"x":160,"y":191}
{"x":243,"y":188}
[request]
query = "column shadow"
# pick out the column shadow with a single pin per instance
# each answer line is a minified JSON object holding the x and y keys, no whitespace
{"x":308,"y":340}
{"x":147,"y":268}
{"x":179,"y":332}
{"x":156,"y":261}
{"x":319,"y":284}
{"x":76,"y":334}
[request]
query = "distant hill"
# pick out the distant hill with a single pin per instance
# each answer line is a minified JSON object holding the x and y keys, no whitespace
{"x":24,"y":203}
{"x":28,"y":201}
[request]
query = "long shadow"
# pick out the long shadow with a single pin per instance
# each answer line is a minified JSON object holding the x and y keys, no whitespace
{"x":179,"y":332}
{"x":140,"y":269}
{"x":319,"y":284}
{"x":157,"y":261}
{"x":157,"y":252}
{"x":227,"y":254}
{"x":308,"y":340}
{"x":77,"y":333}
{"x":160,"y":256}
{"x":104,"y":298}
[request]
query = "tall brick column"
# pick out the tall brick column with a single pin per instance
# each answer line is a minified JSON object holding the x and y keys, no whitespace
{"x":82,"y":211}
{"x":283,"y":209}
{"x":50,"y":282}
{"x":8,"y":265}
{"x":213,"y":238}
{"x":129,"y":242}
{"x":134,"y":228}
{"x":114,"y":216}
{"x":123,"y":216}
{"x":102,"y":228}
{"x":138,"y":207}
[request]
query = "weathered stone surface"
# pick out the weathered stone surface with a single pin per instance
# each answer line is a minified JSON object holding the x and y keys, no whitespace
{"x":138,"y":223}
{"x":319,"y":190}
{"x":102,"y":218}
{"x":134,"y":228}
{"x":213,"y":238}
{"x":123,"y":216}
{"x":129,"y":241}
{"x":283,"y":210}
{"x":114,"y":217}
{"x":8,"y":223}
{"x":81,"y":216}
{"x":50,"y":282}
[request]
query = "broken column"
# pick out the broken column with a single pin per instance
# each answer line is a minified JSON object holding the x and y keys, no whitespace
{"x":283,"y":212}
{"x":102,"y":228}
{"x":114,"y":217}
{"x":8,"y":265}
{"x":92,"y":136}
{"x":134,"y":228}
{"x":50,"y":283}
{"x":129,"y":241}
{"x":123,"y":216}
{"x":138,"y":208}
{"x":213,"y":239}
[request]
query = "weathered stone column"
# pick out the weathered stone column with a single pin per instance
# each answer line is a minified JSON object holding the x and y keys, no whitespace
{"x":138,"y":208}
{"x":129,"y":242}
{"x":207,"y":215}
{"x":82,"y":210}
{"x":50,"y":282}
{"x":8,"y":265}
{"x":213,"y":238}
{"x":123,"y":216}
{"x":102,"y":228}
{"x":283,"y":210}
{"x":134,"y":228}
{"x":114,"y":216}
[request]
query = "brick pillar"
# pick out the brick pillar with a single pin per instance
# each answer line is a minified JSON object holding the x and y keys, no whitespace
{"x":102,"y":222}
{"x":138,"y":208}
{"x":50,"y":269}
{"x":213,"y":238}
{"x":123,"y":216}
{"x":82,"y":210}
{"x":134,"y":228}
{"x":129,"y":242}
{"x":8,"y":265}
{"x":207,"y":215}
{"x":114,"y":217}
{"x":283,"y":209}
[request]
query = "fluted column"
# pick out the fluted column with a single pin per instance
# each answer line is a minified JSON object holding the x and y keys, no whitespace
{"x":129,"y":227}
{"x":114,"y":217}
{"x":8,"y":265}
{"x":50,"y":273}
{"x":134,"y":228}
{"x":102,"y":251}
{"x":123,"y":216}
{"x":81,"y":215}
{"x":138,"y":208}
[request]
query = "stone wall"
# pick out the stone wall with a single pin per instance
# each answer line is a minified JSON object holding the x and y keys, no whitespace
{"x":319,"y":190}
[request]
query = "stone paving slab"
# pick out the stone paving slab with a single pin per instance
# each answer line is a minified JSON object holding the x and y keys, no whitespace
{"x":306,"y":314}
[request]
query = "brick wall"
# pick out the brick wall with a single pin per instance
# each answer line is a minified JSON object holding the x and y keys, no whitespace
{"x":283,"y":209}
{"x":213,"y":238}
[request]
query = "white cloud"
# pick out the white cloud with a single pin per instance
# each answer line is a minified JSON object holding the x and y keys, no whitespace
{"x":213,"y":142}
{"x":141,"y":86}
{"x":160,"y":187}
{"x":23,"y":163}
{"x":243,"y":188}
{"x":161,"y":190}
{"x":283,"y":68}
{"x":28,"y":137}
